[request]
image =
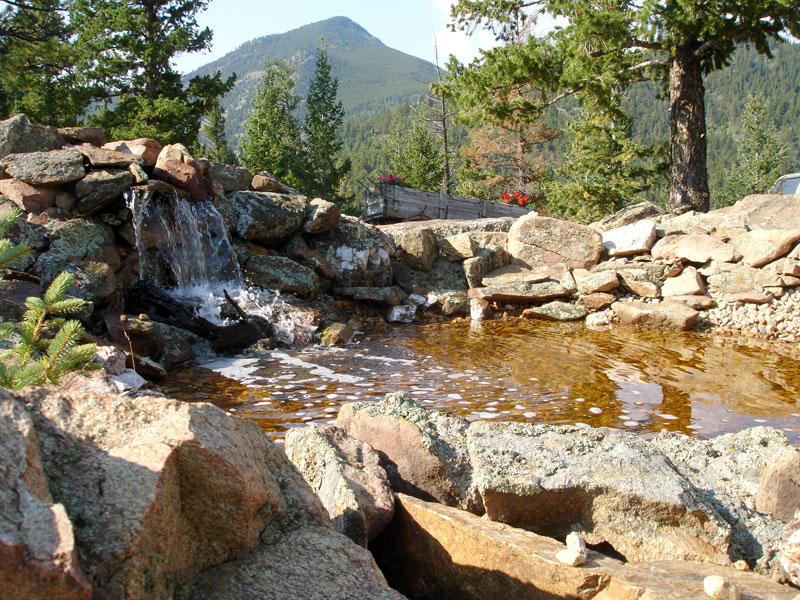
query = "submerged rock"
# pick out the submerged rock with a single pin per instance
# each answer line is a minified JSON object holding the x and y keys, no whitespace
{"x":669,"y":315}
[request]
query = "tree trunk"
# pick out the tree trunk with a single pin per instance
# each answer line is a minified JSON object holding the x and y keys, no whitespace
{"x":688,"y":183}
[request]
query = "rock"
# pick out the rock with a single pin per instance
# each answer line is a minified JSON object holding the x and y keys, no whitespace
{"x":695,"y":302}
{"x":29,"y":198}
{"x":589,"y":282}
{"x":183,"y":175}
{"x":76,"y":241}
{"x":173,"y":487}
{"x":483,"y":231}
{"x":390,"y":295}
{"x":455,"y":304}
{"x":697,"y":248}
{"x":128,"y":380}
{"x":13,"y":294}
{"x":629,"y":215}
{"x":231,"y":177}
{"x":321,"y":216}
{"x":65,"y":201}
{"x":788,"y":554}
{"x":727,"y":470}
{"x":404,"y":313}
{"x":112,"y":359}
{"x":669,"y":315}
{"x":138,"y":173}
{"x":435,"y":551}
{"x":282,"y":274}
{"x":143,"y":337}
{"x":751,"y":297}
{"x":519,"y":284}
{"x":55,"y":167}
{"x":297,"y":249}
{"x":177,"y":348}
{"x":83,"y":135}
{"x":556,"y":311}
{"x":359,"y":254}
{"x":100,"y":188}
{"x":636,"y":238}
{"x":479,"y":309}
{"x":146,"y":148}
{"x":337,"y":334}
{"x":719,"y":588}
{"x":640,"y":282}
{"x":779,"y":490}
{"x":265,"y":182}
{"x":607,"y":485}
{"x":597,"y":301}
{"x":18,"y":135}
{"x":598,"y":321}
{"x":762,"y":246}
{"x":767,"y":211}
{"x":103,"y":157}
{"x":346,"y":475}
{"x":459,"y":246}
{"x":571,"y":558}
{"x":93,"y":281}
{"x":420,"y":249}
{"x":424,"y":452}
{"x":723,"y":278}
{"x":485,"y":261}
{"x":38,"y":557}
{"x":784,"y":266}
{"x":577,"y":544}
{"x":688,"y":283}
{"x":312,"y":563}
{"x":538,"y":241}
{"x":445,"y":277}
{"x":267,"y":218}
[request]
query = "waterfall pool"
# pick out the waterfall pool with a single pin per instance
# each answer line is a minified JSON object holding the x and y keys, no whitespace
{"x":512,"y":369}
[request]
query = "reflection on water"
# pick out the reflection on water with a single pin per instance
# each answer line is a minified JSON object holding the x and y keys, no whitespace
{"x":636,"y":379}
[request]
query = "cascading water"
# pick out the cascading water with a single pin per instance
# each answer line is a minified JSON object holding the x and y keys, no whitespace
{"x":184,"y":248}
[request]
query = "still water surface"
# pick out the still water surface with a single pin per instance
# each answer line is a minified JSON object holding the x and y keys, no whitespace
{"x":636,"y":379}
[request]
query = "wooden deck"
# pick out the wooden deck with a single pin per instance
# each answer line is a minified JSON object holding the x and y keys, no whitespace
{"x":392,"y":203}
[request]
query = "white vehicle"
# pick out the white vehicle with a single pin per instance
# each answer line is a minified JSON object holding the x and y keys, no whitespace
{"x":787,"y":184}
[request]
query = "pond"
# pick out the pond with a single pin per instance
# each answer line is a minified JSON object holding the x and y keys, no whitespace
{"x":512,"y":369}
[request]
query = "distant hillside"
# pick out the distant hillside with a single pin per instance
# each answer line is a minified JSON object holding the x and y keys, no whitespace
{"x":372,"y":77}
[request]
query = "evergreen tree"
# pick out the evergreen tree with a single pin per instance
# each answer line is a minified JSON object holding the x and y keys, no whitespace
{"x":415,"y":155}
{"x":760,"y":158}
{"x":217,"y":147}
{"x":273,"y":140}
{"x":324,"y":116}
{"x":603,"y":47}
{"x":37,"y":76}
{"x":604,"y":168}
{"x":125,"y":52}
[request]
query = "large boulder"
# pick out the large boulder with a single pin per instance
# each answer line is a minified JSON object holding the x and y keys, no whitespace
{"x":282,"y":274}
{"x":267,"y":218}
{"x":420,"y":249}
{"x":668,"y":315}
{"x":539,"y":241}
{"x":358,"y":254}
{"x":18,"y":134}
{"x":55,"y":167}
{"x":346,"y":475}
{"x":724,"y":278}
{"x":38,"y":557}
{"x":609,"y":486}
{"x":146,"y":148}
{"x":232,"y":178}
{"x":766,"y":211}
{"x":100,"y":188}
{"x":697,"y":248}
{"x":445,"y":277}
{"x":423,"y":451}
{"x":75,"y":241}
{"x":762,"y":246}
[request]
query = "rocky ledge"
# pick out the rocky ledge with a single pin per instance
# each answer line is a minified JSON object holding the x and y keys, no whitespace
{"x":666,"y":518}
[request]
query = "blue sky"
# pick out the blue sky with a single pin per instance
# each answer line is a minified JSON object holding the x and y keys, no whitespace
{"x":408,"y":25}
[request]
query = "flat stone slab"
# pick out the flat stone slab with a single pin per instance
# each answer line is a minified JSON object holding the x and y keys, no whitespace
{"x":636,"y":238}
{"x":762,"y":246}
{"x":697,"y":248}
{"x":668,"y":315}
{"x":724,"y":278}
{"x":556,"y":311}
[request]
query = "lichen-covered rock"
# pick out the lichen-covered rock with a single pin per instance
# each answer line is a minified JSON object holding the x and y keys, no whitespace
{"x":55,"y":167}
{"x":668,"y":315}
{"x":93,"y":281}
{"x":232,"y":178}
{"x":38,"y":557}
{"x":556,"y":311}
{"x":282,"y":274}
{"x":696,"y":248}
{"x":423,"y":451}
{"x":321,"y":216}
{"x":390,"y":295}
{"x":589,"y":282}
{"x":419,"y":249}
{"x":100,"y":188}
{"x":75,"y":241}
{"x":762,"y":246}
{"x":265,"y":182}
{"x":455,"y":304}
{"x":267,"y":218}
{"x":18,"y":134}
{"x":143,"y":336}
{"x":459,"y":246}
{"x":336,"y":334}
{"x":177,"y":346}
{"x":485,"y":261}
{"x":606,"y":485}
{"x":539,"y":241}
{"x":346,"y":475}
{"x":358,"y":254}
{"x":445,"y":277}
{"x":723,"y":278}
{"x":484,"y":231}
{"x":520,"y":284}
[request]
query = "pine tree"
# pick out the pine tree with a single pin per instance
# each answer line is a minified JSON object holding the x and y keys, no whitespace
{"x":44,"y":345}
{"x":415,"y":155}
{"x":125,"y":51}
{"x":217,"y":147}
{"x":324,"y":116}
{"x":760,"y":158}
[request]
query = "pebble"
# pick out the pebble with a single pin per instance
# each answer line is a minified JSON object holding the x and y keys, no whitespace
{"x":576,"y":553}
{"x":720,"y":588}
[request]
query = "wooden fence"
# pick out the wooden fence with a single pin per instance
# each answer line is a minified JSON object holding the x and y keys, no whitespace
{"x":391,"y":203}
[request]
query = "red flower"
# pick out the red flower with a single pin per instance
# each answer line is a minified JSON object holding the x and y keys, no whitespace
{"x":506,"y":200}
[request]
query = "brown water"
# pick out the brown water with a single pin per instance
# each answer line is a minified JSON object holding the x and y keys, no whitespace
{"x":636,"y":379}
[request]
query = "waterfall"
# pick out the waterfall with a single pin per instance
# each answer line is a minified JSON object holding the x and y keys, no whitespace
{"x":184,"y":248}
